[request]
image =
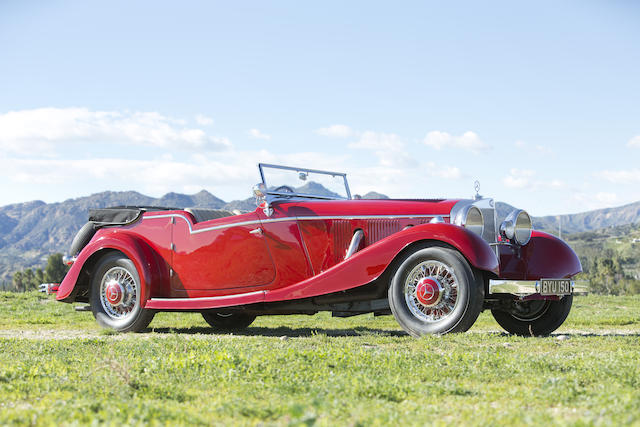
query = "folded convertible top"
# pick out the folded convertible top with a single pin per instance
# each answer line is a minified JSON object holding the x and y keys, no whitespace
{"x":120,"y":215}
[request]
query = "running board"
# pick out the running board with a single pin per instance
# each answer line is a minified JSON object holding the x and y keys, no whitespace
{"x":203,"y":303}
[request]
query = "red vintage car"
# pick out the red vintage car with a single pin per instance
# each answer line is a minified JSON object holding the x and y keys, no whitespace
{"x":310,"y":247}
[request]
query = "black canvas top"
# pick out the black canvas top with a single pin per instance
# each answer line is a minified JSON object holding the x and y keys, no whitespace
{"x":120,"y":215}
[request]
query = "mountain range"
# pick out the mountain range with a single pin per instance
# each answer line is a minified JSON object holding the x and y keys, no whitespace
{"x":31,"y":231}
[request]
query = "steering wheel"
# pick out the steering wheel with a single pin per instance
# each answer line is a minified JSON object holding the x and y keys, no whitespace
{"x":284,"y":189}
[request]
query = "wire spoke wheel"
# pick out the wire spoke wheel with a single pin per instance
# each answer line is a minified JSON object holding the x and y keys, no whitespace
{"x":118,"y":292}
{"x":435,"y":291}
{"x":431,"y":291}
{"x":115,"y":295}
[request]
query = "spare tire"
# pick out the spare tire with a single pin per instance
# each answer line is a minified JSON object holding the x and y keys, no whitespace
{"x":82,"y":238}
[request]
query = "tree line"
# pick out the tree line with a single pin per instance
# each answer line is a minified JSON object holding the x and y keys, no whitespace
{"x":29,"y":279}
{"x":607,"y":275}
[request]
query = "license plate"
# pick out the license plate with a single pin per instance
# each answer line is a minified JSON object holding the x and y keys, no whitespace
{"x":555,"y":287}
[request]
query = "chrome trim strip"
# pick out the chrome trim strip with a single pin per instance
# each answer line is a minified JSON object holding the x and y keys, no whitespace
{"x":212,"y":299}
{"x":531,"y":287}
{"x":299,"y":218}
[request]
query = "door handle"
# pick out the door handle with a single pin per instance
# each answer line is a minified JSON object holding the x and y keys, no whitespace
{"x":257,"y":231}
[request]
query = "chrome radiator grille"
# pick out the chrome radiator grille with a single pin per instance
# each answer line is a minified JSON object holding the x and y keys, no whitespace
{"x":487,"y":208}
{"x":489,"y":233}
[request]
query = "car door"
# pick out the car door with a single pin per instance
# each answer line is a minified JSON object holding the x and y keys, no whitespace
{"x":218,"y":257}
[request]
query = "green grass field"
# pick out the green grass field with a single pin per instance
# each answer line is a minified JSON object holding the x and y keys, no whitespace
{"x":58,"y":367}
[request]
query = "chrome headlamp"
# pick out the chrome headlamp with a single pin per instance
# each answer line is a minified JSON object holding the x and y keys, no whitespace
{"x":470,"y":218}
{"x":517,"y":227}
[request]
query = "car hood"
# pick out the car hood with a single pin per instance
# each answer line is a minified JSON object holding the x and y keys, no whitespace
{"x":364,"y":207}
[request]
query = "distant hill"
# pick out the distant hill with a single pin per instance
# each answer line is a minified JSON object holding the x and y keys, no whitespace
{"x":30,"y":231}
{"x":584,"y":221}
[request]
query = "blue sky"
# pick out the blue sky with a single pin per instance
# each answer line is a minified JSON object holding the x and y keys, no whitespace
{"x":540,"y":102}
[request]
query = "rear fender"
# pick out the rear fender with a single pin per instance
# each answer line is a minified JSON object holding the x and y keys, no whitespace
{"x":371,"y":262}
{"x":146,"y":261}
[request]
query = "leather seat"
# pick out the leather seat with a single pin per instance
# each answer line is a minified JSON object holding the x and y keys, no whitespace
{"x":202,"y":215}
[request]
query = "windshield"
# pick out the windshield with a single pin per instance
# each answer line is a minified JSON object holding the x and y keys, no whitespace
{"x":286,"y":181}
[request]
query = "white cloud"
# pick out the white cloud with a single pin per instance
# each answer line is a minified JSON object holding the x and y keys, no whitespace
{"x":526,"y":179}
{"x":336,"y":131}
{"x":557,"y":184}
{"x":255,"y":133}
{"x":588,"y":200}
{"x":378,"y":141}
{"x":203,"y":120}
{"x":607,"y":198}
{"x":442,"y":171}
{"x":42,"y":130}
{"x":228,"y":174}
{"x":388,"y":148}
{"x":519,"y":178}
{"x":621,"y":176}
{"x":469,"y":141}
{"x":634,"y":142}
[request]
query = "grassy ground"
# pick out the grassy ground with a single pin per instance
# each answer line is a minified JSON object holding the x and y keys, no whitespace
{"x":57,"y":366}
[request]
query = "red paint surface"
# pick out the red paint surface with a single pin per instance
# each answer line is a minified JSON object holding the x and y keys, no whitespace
{"x":544,"y":257}
{"x":145,"y":255}
{"x":301,"y":255}
{"x":218,"y":262}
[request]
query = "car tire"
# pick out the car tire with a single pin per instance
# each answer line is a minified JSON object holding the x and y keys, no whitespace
{"x":82,"y":237}
{"x":228,"y":322}
{"x":115,"y":295}
{"x":445,"y":272}
{"x":535,"y":317}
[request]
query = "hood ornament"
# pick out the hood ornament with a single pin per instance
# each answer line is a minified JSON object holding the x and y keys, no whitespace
{"x":476,"y":186}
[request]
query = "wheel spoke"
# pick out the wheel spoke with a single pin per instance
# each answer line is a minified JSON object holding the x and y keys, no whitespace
{"x":441,"y":274}
{"x":120,"y":280}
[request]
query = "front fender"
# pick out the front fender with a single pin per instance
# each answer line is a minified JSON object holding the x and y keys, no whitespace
{"x":369,"y":263}
{"x":140,"y":253}
{"x":545,"y":256}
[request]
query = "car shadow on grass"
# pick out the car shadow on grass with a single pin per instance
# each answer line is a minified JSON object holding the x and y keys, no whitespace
{"x":284,"y":331}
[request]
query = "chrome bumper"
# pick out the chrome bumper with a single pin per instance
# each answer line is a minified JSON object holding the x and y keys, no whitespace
{"x":531,"y":287}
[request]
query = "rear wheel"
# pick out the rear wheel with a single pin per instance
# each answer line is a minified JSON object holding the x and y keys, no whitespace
{"x":536,"y":317}
{"x":115,"y":295}
{"x":434,"y":291}
{"x":228,"y":321}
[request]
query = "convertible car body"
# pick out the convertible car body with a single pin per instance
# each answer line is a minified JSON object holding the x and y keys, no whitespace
{"x":309,"y":247}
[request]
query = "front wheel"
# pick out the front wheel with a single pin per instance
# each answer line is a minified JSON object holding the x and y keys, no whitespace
{"x":536,"y":317}
{"x":115,"y":295}
{"x":434,"y":291}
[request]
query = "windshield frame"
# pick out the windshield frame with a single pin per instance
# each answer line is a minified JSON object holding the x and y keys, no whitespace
{"x":312,"y":196}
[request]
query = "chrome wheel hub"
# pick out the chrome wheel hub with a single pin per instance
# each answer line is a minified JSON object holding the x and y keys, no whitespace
{"x":431,"y":291}
{"x":428,"y":292}
{"x":114,"y":292}
{"x":118,"y":292}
